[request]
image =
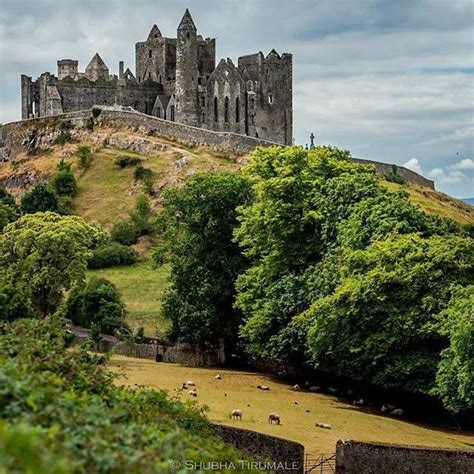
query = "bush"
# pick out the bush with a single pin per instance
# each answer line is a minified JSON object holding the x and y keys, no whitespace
{"x":64,"y":182}
{"x":126,"y":233}
{"x":112,"y":254}
{"x":9,"y":211}
{"x":141,"y":214}
{"x":97,"y":303}
{"x":84,"y":154}
{"x":63,"y":137}
{"x":125,"y":161}
{"x":394,"y":177}
{"x":142,"y":174}
{"x":96,"y":111}
{"x":41,"y":199}
{"x":14,"y":303}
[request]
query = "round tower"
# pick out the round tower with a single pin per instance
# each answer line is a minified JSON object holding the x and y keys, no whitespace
{"x":187,"y":72}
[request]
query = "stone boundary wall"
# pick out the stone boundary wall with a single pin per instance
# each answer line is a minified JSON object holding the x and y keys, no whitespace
{"x":183,"y":354}
{"x":16,"y":135}
{"x":354,"y":457}
{"x":287,"y":456}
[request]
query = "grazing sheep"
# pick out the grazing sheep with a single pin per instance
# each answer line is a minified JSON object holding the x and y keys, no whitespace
{"x":295,"y":402}
{"x":193,"y":393}
{"x":314,"y":388}
{"x":296,"y":387}
{"x":183,"y":161}
{"x":218,"y":377}
{"x":324,"y":425}
{"x":184,"y":386}
{"x":359,"y":402}
{"x":273,"y":417}
{"x":237,"y":414}
{"x":263,"y":387}
{"x":190,"y":383}
{"x":397,"y":412}
{"x":332,"y":390}
{"x":391,"y":407}
{"x":307,"y":411}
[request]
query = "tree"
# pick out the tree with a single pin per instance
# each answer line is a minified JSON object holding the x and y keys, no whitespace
{"x":46,"y":254}
{"x":97,"y":305}
{"x":455,"y":376}
{"x":63,"y":182}
{"x":9,"y":211}
{"x":196,"y":226}
{"x":380,"y":324}
{"x":41,"y":199}
{"x":14,"y":303}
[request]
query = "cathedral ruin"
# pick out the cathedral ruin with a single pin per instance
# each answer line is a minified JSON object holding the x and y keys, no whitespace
{"x":177,"y":79}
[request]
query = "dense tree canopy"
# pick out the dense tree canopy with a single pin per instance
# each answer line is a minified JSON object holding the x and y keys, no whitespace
{"x":41,"y":199}
{"x":196,"y":227}
{"x":46,"y":254}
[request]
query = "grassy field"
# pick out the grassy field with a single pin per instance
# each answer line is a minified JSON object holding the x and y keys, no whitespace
{"x":237,"y":390}
{"x":141,"y":286}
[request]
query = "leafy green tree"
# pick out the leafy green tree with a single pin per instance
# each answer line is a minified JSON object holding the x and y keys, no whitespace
{"x":9,"y":211}
{"x":125,"y":232}
{"x":14,"y":303}
{"x":142,"y":214}
{"x":197,"y":226}
{"x":98,"y":305}
{"x":379,"y":325}
{"x":46,"y":254}
{"x":84,"y":154}
{"x":63,"y":182}
{"x":41,"y":199}
{"x":455,"y":377}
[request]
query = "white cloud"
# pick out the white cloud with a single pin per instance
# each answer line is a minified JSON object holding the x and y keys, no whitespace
{"x":451,"y":177}
{"x":466,"y":164}
{"x":414,"y":165}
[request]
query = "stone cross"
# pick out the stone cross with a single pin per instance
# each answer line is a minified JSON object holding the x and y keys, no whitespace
{"x":312,"y":137}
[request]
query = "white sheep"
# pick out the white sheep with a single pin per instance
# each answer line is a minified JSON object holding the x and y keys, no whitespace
{"x":296,"y":387}
{"x":190,"y":383}
{"x":397,"y":412}
{"x":263,"y":387}
{"x":193,"y":393}
{"x":273,"y":417}
{"x":359,"y":402}
{"x":324,"y":425}
{"x":314,"y":388}
{"x":237,"y":414}
{"x":218,"y":377}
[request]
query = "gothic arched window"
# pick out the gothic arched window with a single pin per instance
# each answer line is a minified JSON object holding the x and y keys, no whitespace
{"x":216,"y":112}
{"x":237,"y":110}
{"x":226,"y":109}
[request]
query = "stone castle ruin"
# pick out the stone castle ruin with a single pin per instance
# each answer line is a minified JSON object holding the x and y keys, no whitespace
{"x":177,"y":79}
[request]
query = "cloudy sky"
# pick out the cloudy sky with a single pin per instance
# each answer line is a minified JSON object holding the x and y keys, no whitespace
{"x":389,"y":80}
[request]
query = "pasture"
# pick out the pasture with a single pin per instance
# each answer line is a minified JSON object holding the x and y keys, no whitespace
{"x":238,"y":389}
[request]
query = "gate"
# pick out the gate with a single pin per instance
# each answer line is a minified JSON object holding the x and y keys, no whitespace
{"x":324,"y":463}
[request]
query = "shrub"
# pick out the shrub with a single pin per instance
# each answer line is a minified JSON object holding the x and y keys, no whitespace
{"x":41,"y":199}
{"x":64,"y":182}
{"x":97,"y":303}
{"x":63,"y":137}
{"x":9,"y":211}
{"x":125,"y":232}
{"x":142,"y":174}
{"x":14,"y":303}
{"x":125,"y":161}
{"x":112,"y":254}
{"x":394,"y":177}
{"x":141,"y":214}
{"x":96,"y":111}
{"x":84,"y":154}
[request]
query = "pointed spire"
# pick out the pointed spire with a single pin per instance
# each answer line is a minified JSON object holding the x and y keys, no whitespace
{"x":273,"y":54}
{"x":187,"y":22}
{"x":97,"y":69}
{"x":97,"y":61}
{"x":154,"y":33}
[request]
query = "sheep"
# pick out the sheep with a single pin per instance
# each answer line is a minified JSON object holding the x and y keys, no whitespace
{"x":332,"y":390}
{"x":237,"y":414}
{"x":359,"y":402}
{"x":184,"y":386}
{"x":314,"y":388}
{"x":296,"y":387}
{"x":295,"y":402}
{"x":397,"y":412}
{"x":273,"y":417}
{"x":263,"y":387}
{"x":181,"y":162}
{"x":193,"y":393}
{"x":218,"y":377}
{"x":190,"y":383}
{"x":324,"y":425}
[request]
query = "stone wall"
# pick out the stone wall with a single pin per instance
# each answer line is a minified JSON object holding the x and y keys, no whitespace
{"x":189,"y":356}
{"x":354,"y":457}
{"x":285,"y":455}
{"x":17,"y":135}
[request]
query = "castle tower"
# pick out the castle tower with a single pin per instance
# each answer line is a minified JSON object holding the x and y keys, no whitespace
{"x":97,"y":69}
{"x":187,"y":72}
{"x":67,"y":68}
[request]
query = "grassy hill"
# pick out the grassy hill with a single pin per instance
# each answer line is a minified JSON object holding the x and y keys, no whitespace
{"x":107,"y":194}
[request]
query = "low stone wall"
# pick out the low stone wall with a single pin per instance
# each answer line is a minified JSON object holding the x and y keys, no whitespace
{"x":28,"y":134}
{"x":282,"y":455}
{"x":370,"y":458}
{"x":386,"y":169}
{"x":190,"y":356}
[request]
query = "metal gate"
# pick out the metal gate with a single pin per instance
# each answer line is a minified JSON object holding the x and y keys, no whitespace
{"x":324,"y":463}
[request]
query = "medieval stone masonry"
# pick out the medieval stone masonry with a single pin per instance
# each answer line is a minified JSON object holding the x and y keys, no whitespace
{"x":177,"y":79}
